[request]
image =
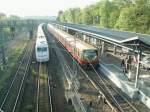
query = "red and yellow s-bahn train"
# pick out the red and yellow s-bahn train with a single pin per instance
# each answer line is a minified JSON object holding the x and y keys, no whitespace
{"x":84,"y":53}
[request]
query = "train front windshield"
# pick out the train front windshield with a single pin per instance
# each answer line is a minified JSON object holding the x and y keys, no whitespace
{"x":90,"y":55}
{"x":41,"y":49}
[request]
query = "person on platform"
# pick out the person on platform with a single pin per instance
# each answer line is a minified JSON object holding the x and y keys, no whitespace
{"x":123,"y":65}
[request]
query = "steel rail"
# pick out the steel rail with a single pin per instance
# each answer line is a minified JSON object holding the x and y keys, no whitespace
{"x":24,"y":75}
{"x":11,"y":85}
{"x":48,"y":86}
{"x":114,"y":99}
{"x":120,"y":108}
{"x":38,"y":89}
{"x":92,"y":82}
{"x":50,"y":96}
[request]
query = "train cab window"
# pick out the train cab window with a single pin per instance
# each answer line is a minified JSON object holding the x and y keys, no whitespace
{"x":39,"y":49}
{"x":90,"y":54}
{"x":44,"y":49}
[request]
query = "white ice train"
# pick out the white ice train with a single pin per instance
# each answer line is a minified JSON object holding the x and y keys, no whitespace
{"x":41,"y":47}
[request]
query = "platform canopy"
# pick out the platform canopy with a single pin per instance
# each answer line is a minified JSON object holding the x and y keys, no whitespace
{"x":114,"y":36}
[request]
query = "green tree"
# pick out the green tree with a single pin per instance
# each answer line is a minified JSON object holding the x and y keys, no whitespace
{"x":105,"y":10}
{"x":3,"y":16}
{"x":14,"y":17}
{"x":135,"y":18}
{"x":130,"y":15}
{"x":60,"y":13}
{"x":78,"y":15}
{"x":87,"y":16}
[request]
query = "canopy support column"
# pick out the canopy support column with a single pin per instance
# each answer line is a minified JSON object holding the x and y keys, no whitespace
{"x":102,"y":49}
{"x":115,"y":49}
{"x":137,"y":69}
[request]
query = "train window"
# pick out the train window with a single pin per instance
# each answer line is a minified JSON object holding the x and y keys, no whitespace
{"x":44,"y":49}
{"x":90,"y":54}
{"x":78,"y":53}
{"x":75,"y":50}
{"x":39,"y":49}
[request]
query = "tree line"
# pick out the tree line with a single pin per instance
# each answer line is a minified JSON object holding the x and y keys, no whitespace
{"x":126,"y":15}
{"x":6,"y":23}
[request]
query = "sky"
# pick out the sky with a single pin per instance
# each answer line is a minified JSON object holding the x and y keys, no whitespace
{"x":40,"y":7}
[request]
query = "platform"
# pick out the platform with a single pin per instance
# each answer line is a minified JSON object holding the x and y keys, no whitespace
{"x":110,"y":66}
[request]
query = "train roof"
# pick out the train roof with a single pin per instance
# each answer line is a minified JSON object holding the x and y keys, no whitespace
{"x":40,"y":28}
{"x":41,"y":44}
{"x":40,"y":32}
{"x":79,"y":44}
{"x":83,"y":45}
{"x":41,"y":39}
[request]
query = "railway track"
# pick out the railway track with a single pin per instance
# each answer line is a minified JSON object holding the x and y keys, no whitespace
{"x":111,"y":92}
{"x":114,"y":97}
{"x":79,"y":105}
{"x":57,"y":91}
{"x":10,"y":100}
{"x":44,"y":102}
